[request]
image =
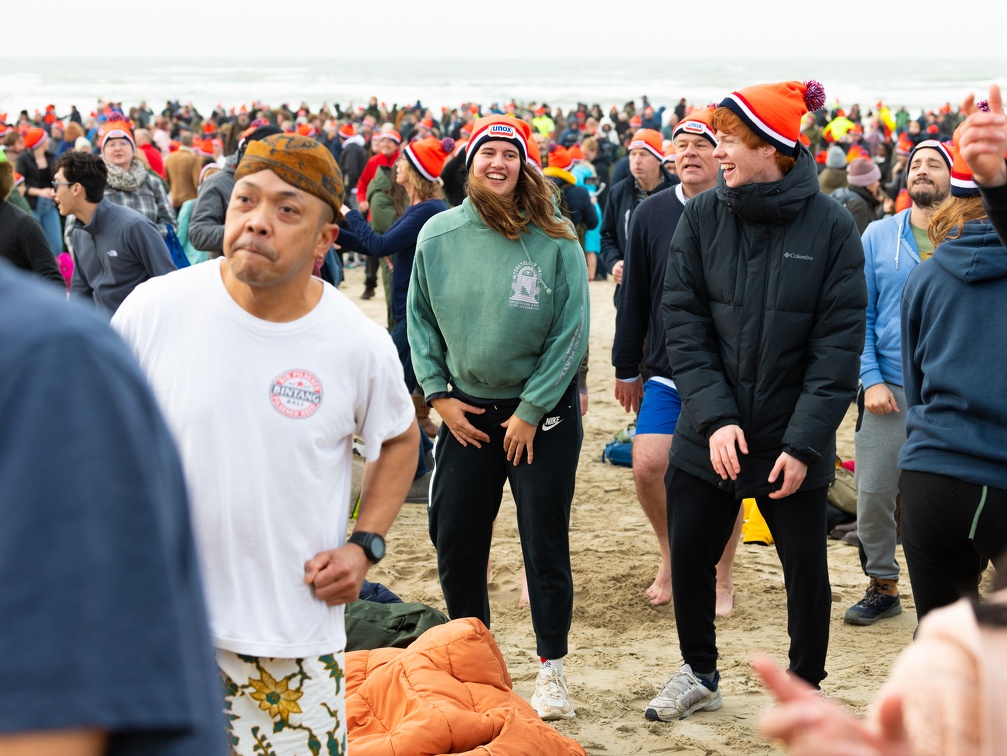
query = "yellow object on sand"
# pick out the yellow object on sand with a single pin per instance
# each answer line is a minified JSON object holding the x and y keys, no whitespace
{"x":755,"y":529}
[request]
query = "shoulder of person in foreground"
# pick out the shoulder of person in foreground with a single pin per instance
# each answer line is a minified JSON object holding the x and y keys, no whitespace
{"x":110,"y":628}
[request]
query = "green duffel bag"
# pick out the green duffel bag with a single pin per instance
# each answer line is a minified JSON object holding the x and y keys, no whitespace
{"x":371,"y":625}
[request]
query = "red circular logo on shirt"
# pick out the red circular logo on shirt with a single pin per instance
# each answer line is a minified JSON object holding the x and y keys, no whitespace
{"x":296,"y":394}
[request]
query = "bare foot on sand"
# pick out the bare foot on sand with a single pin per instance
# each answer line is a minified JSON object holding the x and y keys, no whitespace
{"x":725,"y":599}
{"x":525,"y":599}
{"x":659,"y":592}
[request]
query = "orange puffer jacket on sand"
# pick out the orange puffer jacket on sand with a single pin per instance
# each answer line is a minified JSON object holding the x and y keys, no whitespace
{"x":448,"y":692}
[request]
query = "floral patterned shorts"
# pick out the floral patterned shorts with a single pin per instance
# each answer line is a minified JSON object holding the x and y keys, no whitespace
{"x":284,"y":707}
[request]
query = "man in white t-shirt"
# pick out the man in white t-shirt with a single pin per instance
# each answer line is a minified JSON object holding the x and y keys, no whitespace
{"x":265,"y":374}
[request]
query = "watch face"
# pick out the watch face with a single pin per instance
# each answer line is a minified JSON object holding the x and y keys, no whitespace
{"x":378,"y":547}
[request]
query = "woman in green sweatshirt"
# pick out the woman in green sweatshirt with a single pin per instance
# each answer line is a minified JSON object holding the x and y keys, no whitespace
{"x":498,"y":324}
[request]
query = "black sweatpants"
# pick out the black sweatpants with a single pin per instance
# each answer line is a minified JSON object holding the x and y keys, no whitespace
{"x":950,"y":531}
{"x":371,"y":265}
{"x":700,"y":521}
{"x":465,"y":493}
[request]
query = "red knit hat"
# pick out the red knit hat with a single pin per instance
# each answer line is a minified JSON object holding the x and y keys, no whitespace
{"x":203,"y":147}
{"x":18,"y":179}
{"x":635,"y":122}
{"x":499,"y":127}
{"x":962,"y":183}
{"x":428,"y":155}
{"x":773,"y":111}
{"x":173,"y":145}
{"x":697,"y":122}
{"x":559,"y":157}
{"x":306,"y":130}
{"x":905,"y":145}
{"x":209,"y":127}
{"x":347,"y":130}
{"x":391,"y":134}
{"x":576,"y":154}
{"x":856,"y":151}
{"x":34,"y":136}
{"x":649,"y":140}
{"x":117,"y":130}
{"x":670,"y":155}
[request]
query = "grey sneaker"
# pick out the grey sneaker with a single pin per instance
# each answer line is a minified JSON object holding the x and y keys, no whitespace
{"x":682,"y":695}
{"x":875,"y":605}
{"x":552,"y":698}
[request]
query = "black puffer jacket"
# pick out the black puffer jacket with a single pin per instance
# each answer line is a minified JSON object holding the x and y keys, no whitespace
{"x":764,"y":307}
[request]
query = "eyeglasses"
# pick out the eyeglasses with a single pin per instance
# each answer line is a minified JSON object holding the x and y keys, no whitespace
{"x":54,"y":184}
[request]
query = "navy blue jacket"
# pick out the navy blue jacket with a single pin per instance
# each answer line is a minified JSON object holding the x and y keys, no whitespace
{"x":640,"y":308}
{"x":954,"y":359}
{"x":399,"y":240}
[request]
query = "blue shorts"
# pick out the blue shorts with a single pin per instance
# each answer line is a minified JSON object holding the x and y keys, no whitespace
{"x":659,"y":410}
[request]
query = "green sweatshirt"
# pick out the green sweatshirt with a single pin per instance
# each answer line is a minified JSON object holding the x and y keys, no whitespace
{"x":495,"y":318}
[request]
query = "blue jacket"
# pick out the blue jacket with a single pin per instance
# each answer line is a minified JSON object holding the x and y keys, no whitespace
{"x":954,"y":356}
{"x":890,"y":255}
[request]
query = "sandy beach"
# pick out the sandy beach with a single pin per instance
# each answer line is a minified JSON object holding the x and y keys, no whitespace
{"x":621,"y":649}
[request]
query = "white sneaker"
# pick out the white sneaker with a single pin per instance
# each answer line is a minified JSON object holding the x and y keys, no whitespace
{"x":681,"y":696}
{"x":552,"y":698}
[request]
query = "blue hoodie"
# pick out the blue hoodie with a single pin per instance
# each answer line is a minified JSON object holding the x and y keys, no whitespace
{"x":890,"y":255}
{"x":954,"y":357}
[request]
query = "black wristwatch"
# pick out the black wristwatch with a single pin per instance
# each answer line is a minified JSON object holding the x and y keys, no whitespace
{"x":372,"y":544}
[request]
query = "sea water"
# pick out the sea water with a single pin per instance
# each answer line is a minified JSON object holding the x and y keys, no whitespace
{"x":924,"y":83}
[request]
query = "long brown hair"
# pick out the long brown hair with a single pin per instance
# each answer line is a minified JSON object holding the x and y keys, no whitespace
{"x":947,"y":222}
{"x":423,"y":188}
{"x":531,"y":202}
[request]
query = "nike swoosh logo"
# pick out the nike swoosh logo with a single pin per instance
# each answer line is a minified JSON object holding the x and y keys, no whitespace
{"x":551,"y":422}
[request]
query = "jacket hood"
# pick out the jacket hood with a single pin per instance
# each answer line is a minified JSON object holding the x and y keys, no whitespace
{"x":975,"y":256}
{"x":773,"y":202}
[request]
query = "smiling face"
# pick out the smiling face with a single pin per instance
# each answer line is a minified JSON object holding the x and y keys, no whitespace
{"x":497,"y":166}
{"x":743,"y":164}
{"x":274,"y":231}
{"x":928,"y":178}
{"x":694,"y":161}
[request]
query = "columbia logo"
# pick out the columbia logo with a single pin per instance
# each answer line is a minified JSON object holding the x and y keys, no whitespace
{"x":112,"y":253}
{"x":793,"y":256}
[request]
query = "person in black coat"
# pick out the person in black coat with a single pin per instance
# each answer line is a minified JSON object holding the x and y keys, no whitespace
{"x":764,"y":311}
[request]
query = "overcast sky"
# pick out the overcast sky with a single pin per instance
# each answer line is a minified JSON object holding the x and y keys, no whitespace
{"x":396,"y":28}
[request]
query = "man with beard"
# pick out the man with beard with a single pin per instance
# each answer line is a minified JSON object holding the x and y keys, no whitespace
{"x":641,"y":315}
{"x":892,"y":248}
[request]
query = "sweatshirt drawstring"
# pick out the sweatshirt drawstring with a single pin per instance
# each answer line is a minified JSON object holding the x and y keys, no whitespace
{"x":528,"y":258}
{"x":898,"y":243}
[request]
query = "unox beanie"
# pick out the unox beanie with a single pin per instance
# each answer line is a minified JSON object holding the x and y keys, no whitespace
{"x":498,"y":128}
{"x":649,"y":141}
{"x":932,"y":144}
{"x":697,"y":122}
{"x":427,"y":156}
{"x":774,"y":111}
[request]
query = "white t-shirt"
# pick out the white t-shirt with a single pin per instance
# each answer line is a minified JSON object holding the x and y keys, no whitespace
{"x":264,"y":416}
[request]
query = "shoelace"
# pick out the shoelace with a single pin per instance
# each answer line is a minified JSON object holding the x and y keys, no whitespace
{"x":678,"y":684}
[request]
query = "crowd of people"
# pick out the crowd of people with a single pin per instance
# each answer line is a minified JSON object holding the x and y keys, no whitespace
{"x":774,"y":260}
